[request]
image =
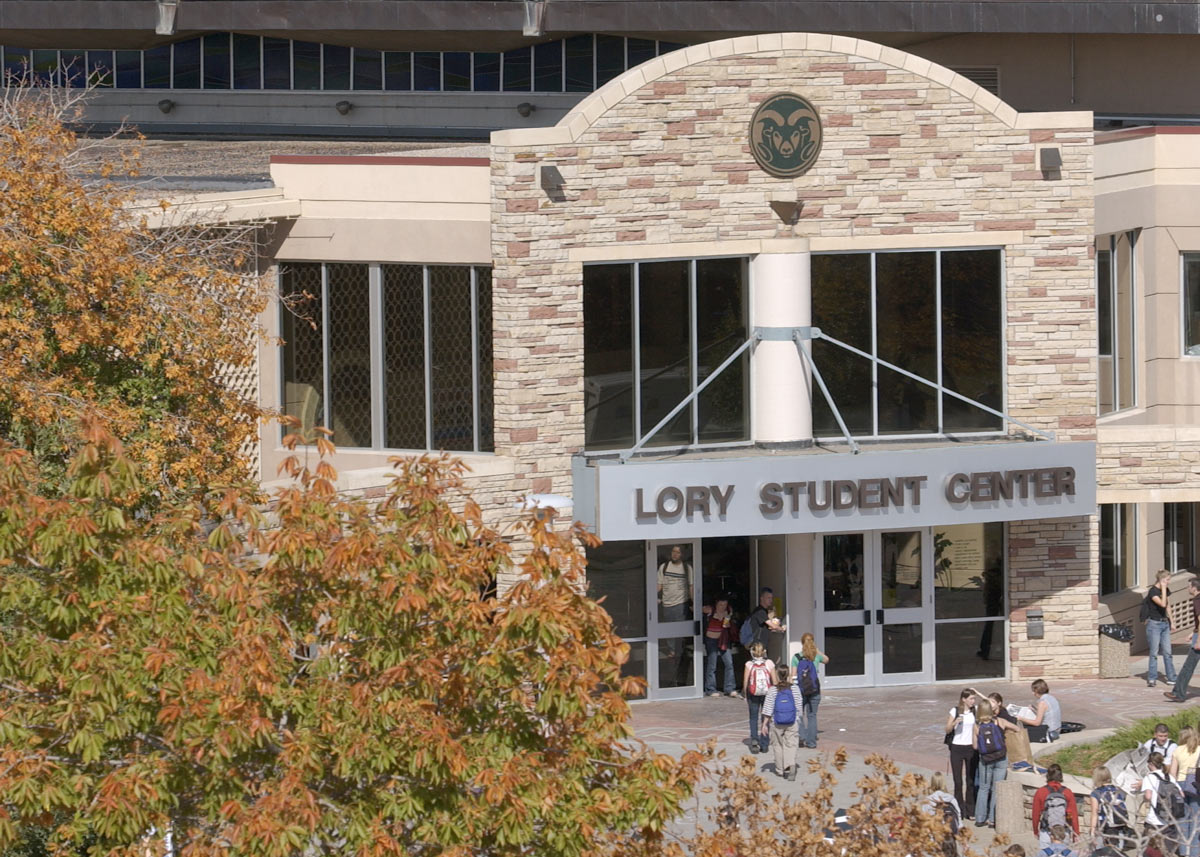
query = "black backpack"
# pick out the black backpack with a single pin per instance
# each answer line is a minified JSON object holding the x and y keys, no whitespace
{"x":807,"y":678}
{"x":1171,"y":805}
{"x":950,"y":816}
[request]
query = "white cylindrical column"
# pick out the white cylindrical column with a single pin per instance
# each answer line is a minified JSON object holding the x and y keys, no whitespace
{"x":782,"y":384}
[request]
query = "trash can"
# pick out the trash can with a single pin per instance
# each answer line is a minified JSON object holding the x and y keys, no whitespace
{"x":1115,"y":641}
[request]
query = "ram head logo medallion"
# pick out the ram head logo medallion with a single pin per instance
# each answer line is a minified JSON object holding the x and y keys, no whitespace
{"x":785,"y":135}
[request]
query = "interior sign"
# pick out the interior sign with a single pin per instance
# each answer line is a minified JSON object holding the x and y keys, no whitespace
{"x":812,"y":492}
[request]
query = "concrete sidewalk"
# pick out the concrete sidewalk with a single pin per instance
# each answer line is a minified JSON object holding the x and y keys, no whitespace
{"x":903,"y":723}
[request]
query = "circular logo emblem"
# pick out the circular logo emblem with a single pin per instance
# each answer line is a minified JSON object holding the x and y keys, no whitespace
{"x":785,"y":135}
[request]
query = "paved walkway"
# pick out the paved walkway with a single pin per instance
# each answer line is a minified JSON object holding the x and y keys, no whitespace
{"x":903,"y":723}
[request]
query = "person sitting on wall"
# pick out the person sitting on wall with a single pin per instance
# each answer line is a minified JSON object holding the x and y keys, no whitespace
{"x":1046,"y":723}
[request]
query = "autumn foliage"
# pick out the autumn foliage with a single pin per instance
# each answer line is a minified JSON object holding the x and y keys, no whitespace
{"x":336,"y":676}
{"x":102,"y":316}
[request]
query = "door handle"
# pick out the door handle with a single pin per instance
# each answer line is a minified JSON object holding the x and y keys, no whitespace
{"x":866,"y":617}
{"x":696,"y":628}
{"x":878,"y":617}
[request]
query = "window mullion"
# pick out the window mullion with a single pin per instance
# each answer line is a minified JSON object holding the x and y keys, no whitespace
{"x":428,"y":357}
{"x":325,"y":347}
{"x":637,"y":354}
{"x":937,"y":317}
{"x":874,"y":355}
{"x":693,"y":340}
{"x":475,"y":359}
{"x":378,"y":382}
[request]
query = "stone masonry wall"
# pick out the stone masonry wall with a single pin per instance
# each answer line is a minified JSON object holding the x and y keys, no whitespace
{"x":1148,"y":464}
{"x":913,"y":156}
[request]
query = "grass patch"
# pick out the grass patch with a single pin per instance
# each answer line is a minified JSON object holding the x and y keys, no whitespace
{"x":1082,"y":759}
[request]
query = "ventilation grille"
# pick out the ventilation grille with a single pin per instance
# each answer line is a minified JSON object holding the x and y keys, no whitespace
{"x":985,"y":76}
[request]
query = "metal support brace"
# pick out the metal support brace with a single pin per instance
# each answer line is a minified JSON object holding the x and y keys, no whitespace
{"x":690,"y":397}
{"x":837,"y":415}
{"x":786,"y":334}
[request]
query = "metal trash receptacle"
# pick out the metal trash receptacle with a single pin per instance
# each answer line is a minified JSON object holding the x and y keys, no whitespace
{"x":1115,"y":641}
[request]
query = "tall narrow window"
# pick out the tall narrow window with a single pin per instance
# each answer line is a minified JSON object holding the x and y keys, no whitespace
{"x":1118,"y":545}
{"x":397,"y":71}
{"x":610,"y":58}
{"x":368,"y":69}
{"x":580,"y":61}
{"x":456,"y":71}
{"x":518,"y":71}
{"x":277,"y":63}
{"x":548,"y":67}
{"x":303,"y":353}
{"x":186,"y":65}
{"x":217,"y":67}
{"x":100,"y":68}
{"x":427,"y":71}
{"x":247,"y":61}
{"x":1191,"y":304}
{"x":156,"y":67}
{"x":841,"y":301}
{"x":335,"y":67}
{"x":487,"y":72}
{"x":306,"y":65}
{"x":655,"y":331}
{"x":1115,"y":288}
{"x":1179,"y":536}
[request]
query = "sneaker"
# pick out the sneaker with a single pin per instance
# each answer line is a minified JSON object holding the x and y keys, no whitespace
{"x":791,"y":774}
{"x":1150,"y":683}
{"x":733,"y":694}
{"x":1170,"y":694}
{"x":714,"y":693}
{"x":754,"y":748}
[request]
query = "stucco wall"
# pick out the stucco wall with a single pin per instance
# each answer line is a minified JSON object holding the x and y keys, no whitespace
{"x":656,"y":164}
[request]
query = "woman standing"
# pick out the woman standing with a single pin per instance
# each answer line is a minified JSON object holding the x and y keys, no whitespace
{"x":1182,"y":768}
{"x":812,"y":655}
{"x":780,"y":711}
{"x":718,"y":645}
{"x":960,"y":737}
{"x":757,"y":678}
{"x":993,"y":761}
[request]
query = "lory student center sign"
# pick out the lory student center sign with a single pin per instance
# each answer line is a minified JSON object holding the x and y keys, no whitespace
{"x":821,"y":493}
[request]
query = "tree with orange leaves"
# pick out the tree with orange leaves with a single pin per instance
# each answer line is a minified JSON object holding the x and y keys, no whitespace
{"x":104,"y":317}
{"x":339,"y":677}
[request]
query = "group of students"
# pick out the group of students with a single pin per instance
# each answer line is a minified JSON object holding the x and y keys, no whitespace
{"x":976,"y":736}
{"x":783,"y":703}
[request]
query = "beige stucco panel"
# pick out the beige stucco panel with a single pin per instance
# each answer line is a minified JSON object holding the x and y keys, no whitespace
{"x":409,"y":241}
{"x":376,"y":180}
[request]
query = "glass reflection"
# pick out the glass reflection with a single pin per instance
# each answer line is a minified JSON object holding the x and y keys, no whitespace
{"x":665,"y":349}
{"x":843,"y":574}
{"x":906,"y":336}
{"x":902,"y":650}
{"x":956,"y":641}
{"x":847,"y":650}
{"x":900,"y":567}
{"x":608,"y":356}
{"x":635,"y":667}
{"x":720,"y":329}
{"x":676,"y":666}
{"x":841,"y":307}
{"x":968,"y":567}
{"x":971,"y":347}
{"x":616,"y":573}
{"x":675,"y":580}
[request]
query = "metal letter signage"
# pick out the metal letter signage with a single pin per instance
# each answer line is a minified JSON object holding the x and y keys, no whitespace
{"x":785,"y":135}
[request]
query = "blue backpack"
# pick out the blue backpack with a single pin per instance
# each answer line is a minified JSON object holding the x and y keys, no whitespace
{"x":807,"y":678}
{"x":785,"y":707}
{"x":746,"y":634}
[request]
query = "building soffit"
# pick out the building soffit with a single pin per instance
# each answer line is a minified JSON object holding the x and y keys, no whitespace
{"x":585,"y":114}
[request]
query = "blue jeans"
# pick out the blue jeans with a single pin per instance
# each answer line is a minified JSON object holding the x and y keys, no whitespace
{"x":712,"y":651}
{"x":990,"y":773}
{"x":756,"y":737}
{"x":809,"y":733}
{"x":1189,"y":827}
{"x":1158,"y":637}
{"x":1189,"y":667}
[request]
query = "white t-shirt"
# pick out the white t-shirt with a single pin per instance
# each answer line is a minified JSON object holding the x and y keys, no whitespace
{"x":1150,"y":787}
{"x":1168,"y":751}
{"x":964,"y":730}
{"x":675,"y":578}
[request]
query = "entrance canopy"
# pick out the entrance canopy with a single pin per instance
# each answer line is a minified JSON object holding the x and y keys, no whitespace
{"x":815,"y":492}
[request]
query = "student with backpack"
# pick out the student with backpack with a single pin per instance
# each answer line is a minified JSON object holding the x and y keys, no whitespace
{"x":1060,"y":843}
{"x":993,"y":762}
{"x":1053,"y":804}
{"x":808,"y":678}
{"x":1164,"y":802}
{"x":941,"y":803}
{"x":757,"y":678}
{"x":780,"y":716}
{"x":1182,"y":769}
{"x":1110,"y":823}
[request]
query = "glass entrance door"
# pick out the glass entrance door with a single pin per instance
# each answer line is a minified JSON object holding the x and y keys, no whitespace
{"x":875,"y":606}
{"x":673,"y":591}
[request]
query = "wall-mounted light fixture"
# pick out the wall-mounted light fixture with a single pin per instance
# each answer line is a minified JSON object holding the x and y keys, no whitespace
{"x":525,"y":108}
{"x":343,"y":107}
{"x":787,"y":210}
{"x":166,"y":17}
{"x":166,"y":105}
{"x":1050,"y":158}
{"x":551,"y":178}
{"x":535,"y":18}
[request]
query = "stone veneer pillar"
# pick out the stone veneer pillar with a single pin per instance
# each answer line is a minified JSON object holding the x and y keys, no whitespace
{"x":782,"y":290}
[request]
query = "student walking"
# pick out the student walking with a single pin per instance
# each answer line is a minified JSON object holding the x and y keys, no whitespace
{"x":757,"y":678}
{"x":1053,"y":805}
{"x":1164,"y":802}
{"x":808,"y":679}
{"x":780,"y":713}
{"x":1179,"y":692}
{"x":960,"y":737}
{"x":1110,"y":823}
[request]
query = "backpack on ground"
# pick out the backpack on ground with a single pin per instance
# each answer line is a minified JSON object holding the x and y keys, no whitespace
{"x":1054,"y":808}
{"x":1171,"y":804}
{"x":807,"y":678}
{"x":785,"y":707}
{"x":760,"y":680}
{"x":746,"y":634}
{"x":990,"y":743}
{"x":1113,"y":810}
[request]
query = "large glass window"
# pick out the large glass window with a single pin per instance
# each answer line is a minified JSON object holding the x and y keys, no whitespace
{"x":969,"y":585}
{"x":1179,"y":536}
{"x":653,"y":332}
{"x":937,"y":315}
{"x":616,"y":575}
{"x":1191,"y":304}
{"x":1118,"y":547}
{"x":416,"y":374}
{"x":1115,"y":321}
